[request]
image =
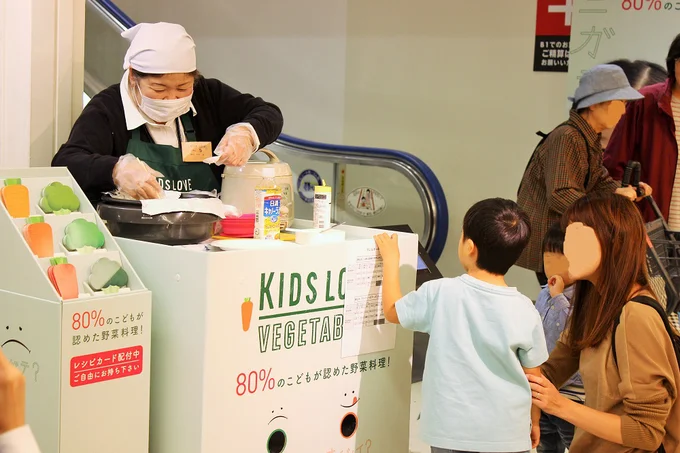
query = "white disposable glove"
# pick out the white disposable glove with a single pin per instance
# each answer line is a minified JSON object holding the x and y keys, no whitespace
{"x":231,"y":211}
{"x":238,"y":144}
{"x":136,"y":179}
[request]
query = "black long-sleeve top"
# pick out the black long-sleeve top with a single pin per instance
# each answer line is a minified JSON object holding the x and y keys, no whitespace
{"x":100,"y":136}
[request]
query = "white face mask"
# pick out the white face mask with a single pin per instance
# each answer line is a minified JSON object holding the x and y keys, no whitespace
{"x":164,"y":110}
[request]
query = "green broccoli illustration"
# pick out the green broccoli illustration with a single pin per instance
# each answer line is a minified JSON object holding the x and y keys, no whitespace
{"x":82,"y":233}
{"x":106,"y":273}
{"x":58,"y":197}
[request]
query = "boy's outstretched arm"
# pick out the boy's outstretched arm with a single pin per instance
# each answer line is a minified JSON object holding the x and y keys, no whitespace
{"x":391,"y":287}
{"x":535,"y":412}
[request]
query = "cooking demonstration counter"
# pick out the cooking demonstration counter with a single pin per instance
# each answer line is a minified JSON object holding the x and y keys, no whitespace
{"x":274,"y":346}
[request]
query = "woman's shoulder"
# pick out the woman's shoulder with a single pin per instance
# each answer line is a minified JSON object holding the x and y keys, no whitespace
{"x":206,"y":85}
{"x":638,"y":316}
{"x":654,"y":91}
{"x":564,"y":136}
{"x":108,"y":100}
{"x":208,"y":92}
{"x":653,"y":94}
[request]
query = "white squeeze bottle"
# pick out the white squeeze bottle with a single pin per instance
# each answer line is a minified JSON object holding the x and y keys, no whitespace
{"x":322,"y":206}
{"x":267,"y":207}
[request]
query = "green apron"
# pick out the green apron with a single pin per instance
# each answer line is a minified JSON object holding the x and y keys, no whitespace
{"x":178,"y":175}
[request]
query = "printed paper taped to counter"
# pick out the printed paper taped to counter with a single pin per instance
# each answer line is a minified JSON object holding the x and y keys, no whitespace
{"x":365,"y":329}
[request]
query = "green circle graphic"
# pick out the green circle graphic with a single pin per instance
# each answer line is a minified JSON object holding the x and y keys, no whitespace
{"x":285,"y":441}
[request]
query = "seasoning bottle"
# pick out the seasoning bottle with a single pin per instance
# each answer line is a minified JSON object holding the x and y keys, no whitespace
{"x":38,"y":236}
{"x":322,"y":206}
{"x":15,"y":198}
{"x":267,"y":207}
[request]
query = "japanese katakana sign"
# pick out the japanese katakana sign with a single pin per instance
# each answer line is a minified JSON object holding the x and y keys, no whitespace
{"x":554,"y":29}
{"x":607,"y":30}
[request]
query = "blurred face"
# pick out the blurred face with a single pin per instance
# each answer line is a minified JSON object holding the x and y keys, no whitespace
{"x":583,"y":252}
{"x":557,"y":264}
{"x":607,"y":114}
{"x":166,"y":86}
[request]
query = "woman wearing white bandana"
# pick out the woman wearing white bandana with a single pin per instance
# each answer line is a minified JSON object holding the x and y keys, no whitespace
{"x":159,"y":128}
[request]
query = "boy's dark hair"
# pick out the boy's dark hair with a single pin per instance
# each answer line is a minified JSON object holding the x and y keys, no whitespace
{"x":500,"y":230}
{"x":554,"y":239}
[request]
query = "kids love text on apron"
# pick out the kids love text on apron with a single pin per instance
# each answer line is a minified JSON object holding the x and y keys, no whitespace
{"x":178,"y":175}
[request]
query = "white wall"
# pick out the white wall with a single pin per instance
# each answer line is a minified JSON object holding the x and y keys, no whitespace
{"x":41,"y":77}
{"x":449,"y":81}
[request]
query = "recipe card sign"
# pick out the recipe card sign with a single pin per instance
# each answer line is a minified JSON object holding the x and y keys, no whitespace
{"x":365,"y":328}
{"x":105,"y":364}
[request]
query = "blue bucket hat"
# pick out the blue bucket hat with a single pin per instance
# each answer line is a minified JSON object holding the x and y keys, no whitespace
{"x":605,"y":82}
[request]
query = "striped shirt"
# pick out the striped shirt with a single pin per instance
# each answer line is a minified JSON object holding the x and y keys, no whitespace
{"x":674,"y":211}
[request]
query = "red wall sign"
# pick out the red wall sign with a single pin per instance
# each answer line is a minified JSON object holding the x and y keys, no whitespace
{"x":553,"y":31}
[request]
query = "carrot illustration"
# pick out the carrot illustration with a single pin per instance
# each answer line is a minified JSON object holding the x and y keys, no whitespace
{"x":38,"y":235}
{"x":246,"y":313}
{"x":15,"y":198}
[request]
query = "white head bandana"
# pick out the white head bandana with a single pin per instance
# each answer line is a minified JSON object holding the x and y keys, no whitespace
{"x":160,"y":48}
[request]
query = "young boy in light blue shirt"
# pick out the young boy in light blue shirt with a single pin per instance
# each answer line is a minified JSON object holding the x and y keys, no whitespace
{"x":484,"y":337}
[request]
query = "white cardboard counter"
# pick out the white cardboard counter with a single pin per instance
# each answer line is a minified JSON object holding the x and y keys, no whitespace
{"x":276,"y":350}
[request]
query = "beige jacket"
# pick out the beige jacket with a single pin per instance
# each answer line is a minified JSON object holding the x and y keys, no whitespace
{"x":643,"y":390}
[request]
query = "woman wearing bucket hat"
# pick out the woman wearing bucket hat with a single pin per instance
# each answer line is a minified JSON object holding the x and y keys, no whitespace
{"x":159,"y":128}
{"x":567,"y":163}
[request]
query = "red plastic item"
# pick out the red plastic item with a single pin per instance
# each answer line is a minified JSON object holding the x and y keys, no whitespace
{"x":238,"y":227}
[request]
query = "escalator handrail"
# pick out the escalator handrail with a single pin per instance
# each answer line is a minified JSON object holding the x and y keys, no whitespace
{"x":116,"y":12}
{"x":438,"y":198}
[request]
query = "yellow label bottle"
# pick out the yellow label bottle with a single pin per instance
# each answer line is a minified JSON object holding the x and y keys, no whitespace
{"x":267,"y":207}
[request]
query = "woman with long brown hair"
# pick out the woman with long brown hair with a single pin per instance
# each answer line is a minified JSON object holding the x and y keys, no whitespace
{"x":631,"y":380}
